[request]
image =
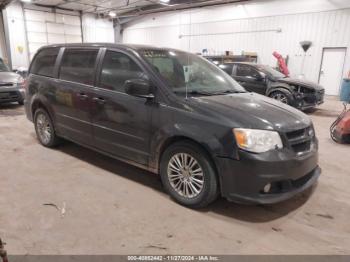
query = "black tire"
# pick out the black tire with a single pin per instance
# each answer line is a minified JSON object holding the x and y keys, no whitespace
{"x":53,"y":140}
{"x":282,"y":93}
{"x":209,"y":190}
{"x":310,"y":110}
{"x":21,"y":102}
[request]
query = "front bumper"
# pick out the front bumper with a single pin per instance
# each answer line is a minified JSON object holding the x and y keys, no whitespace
{"x":11,"y":94}
{"x":305,"y":101}
{"x":243,"y":180}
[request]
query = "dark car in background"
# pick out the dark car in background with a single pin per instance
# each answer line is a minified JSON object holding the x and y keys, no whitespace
{"x":11,"y":85}
{"x":265,"y":80}
{"x":175,"y":114}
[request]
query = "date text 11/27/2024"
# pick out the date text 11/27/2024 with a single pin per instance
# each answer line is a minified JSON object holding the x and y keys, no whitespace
{"x":173,"y":258}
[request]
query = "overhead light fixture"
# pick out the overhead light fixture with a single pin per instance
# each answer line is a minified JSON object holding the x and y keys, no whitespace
{"x":164,"y":2}
{"x":26,"y":1}
{"x":112,"y":14}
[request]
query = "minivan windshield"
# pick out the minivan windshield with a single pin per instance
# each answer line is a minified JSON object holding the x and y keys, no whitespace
{"x":184,"y":71}
{"x":271,"y":72}
{"x":3,"y":66}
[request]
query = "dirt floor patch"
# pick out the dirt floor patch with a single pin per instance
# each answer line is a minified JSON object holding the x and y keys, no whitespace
{"x":11,"y":110}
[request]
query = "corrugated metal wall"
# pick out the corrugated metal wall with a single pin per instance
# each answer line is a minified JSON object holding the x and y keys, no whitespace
{"x":44,"y":28}
{"x":97,"y":30}
{"x":47,"y":28}
{"x":324,"y":29}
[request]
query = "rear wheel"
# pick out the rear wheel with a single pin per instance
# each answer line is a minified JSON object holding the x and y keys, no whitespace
{"x":44,"y":128}
{"x":188,"y":175}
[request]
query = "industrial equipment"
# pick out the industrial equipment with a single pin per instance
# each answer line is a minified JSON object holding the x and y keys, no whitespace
{"x":340,"y":129}
{"x":282,"y":65}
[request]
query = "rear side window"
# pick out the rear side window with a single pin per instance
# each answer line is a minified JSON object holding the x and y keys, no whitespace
{"x":44,"y":62}
{"x":246,"y":71}
{"x":78,"y":65}
{"x":118,"y":68}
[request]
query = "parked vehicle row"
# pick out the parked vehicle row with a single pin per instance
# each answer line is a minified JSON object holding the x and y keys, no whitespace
{"x":267,"y":81}
{"x":175,"y":114}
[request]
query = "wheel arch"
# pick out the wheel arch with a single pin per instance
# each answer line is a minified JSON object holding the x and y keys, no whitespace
{"x":35,"y":106}
{"x":38,"y":102}
{"x":181,"y":138}
{"x":279,"y":87}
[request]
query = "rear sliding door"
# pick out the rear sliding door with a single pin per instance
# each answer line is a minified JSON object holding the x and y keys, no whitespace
{"x":73,"y":93}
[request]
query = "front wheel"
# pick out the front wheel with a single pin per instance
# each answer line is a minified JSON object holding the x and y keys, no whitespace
{"x":188,"y":175}
{"x":284,"y":96}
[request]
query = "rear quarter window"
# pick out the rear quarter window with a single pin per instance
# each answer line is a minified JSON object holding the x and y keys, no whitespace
{"x":227,"y":68}
{"x":44,"y":62}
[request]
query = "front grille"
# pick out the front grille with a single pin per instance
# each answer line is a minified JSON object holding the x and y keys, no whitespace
{"x":6,"y":84}
{"x":287,"y":185}
{"x":306,"y":90}
{"x":8,"y":95}
{"x":301,"y":140}
{"x":301,"y":181}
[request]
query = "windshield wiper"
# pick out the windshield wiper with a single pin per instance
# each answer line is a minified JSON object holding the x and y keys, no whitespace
{"x":195,"y":92}
{"x":204,"y":93}
{"x":229,"y":92}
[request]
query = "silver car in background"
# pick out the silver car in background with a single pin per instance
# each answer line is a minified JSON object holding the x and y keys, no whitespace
{"x":11,"y":85}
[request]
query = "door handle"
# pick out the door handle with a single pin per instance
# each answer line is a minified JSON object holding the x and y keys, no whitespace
{"x":99,"y":100}
{"x":82,"y":96}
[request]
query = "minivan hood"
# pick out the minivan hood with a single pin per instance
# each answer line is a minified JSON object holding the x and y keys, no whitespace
{"x":251,"y":110}
{"x":301,"y":82}
{"x":9,"y":77}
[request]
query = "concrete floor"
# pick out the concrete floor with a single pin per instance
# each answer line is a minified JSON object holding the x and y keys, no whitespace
{"x":114,"y":208}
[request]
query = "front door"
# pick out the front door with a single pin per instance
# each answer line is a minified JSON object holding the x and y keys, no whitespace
{"x":332,"y":69}
{"x":121,"y":123}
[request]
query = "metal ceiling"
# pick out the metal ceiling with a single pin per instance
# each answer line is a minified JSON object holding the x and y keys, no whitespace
{"x":3,"y":3}
{"x":125,"y":8}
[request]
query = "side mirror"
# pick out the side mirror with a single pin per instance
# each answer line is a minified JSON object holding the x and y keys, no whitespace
{"x":139,"y":88}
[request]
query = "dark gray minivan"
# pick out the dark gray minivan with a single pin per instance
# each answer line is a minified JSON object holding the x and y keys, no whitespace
{"x":175,"y":114}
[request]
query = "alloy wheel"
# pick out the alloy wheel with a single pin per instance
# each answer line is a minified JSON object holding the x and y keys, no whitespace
{"x":44,"y":128}
{"x":185,"y":175}
{"x":280,"y":97}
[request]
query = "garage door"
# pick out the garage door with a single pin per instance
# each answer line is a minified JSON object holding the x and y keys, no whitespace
{"x":44,"y":28}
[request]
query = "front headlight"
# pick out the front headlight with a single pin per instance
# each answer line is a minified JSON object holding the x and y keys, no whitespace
{"x":257,"y":141}
{"x":20,"y":82}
